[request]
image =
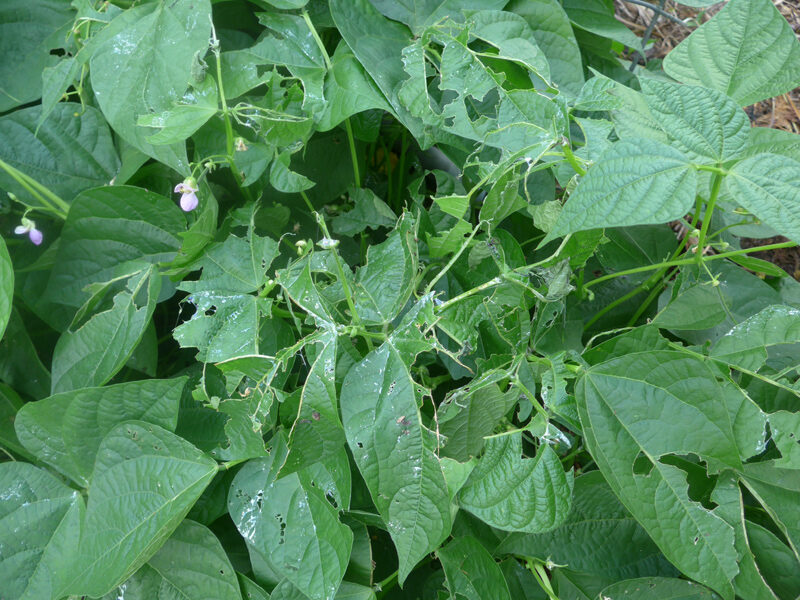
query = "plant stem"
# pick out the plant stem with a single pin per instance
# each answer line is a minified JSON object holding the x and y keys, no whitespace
{"x":401,"y":167}
{"x":329,"y":66}
{"x":716,"y":183}
{"x":453,"y":260}
{"x":572,"y":159}
{"x":345,"y":286}
{"x":688,"y":261}
{"x":353,"y":155}
{"x":226,"y":117}
{"x":471,"y":292}
{"x":50,"y":201}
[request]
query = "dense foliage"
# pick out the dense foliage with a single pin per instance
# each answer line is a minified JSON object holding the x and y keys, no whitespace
{"x":381,"y":298}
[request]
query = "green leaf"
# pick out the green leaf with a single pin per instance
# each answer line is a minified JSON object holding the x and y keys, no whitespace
{"x":6,"y":286}
{"x":727,"y":495}
{"x":597,"y":17}
{"x":635,"y":182}
{"x":235,"y":266}
{"x":72,"y":151}
{"x":228,"y":317}
{"x":503,"y":199}
{"x":144,"y":482}
{"x":291,"y":524}
{"x":777,"y":489}
{"x":109,"y":231}
{"x":746,"y":344}
{"x":785,"y":428}
{"x":471,"y":571}
{"x":29,"y":30}
{"x":419,"y":14}
{"x":284,"y":179}
{"x":41,"y":520}
{"x":658,"y":588}
{"x":65,"y":430}
{"x":704,"y":123}
{"x":392,"y":450}
{"x":188,"y":115}
{"x":773,"y":141}
{"x":385,"y":283}
{"x":747,"y":51}
{"x":317,"y":431}
{"x":369,"y":212}
{"x":628,"y":438}
{"x":599,"y":537}
{"x":20,"y":366}
{"x":348,"y":89}
{"x":10,"y":403}
{"x":378,"y":44}
{"x":55,"y":82}
{"x":288,"y":41}
{"x":191,"y":565}
{"x":775,"y":561}
{"x":697,"y":307}
{"x":768,"y":185}
{"x":142,"y":64}
{"x":512,"y":493}
{"x":554,"y":35}
{"x":93,"y":353}
{"x":471,"y":413}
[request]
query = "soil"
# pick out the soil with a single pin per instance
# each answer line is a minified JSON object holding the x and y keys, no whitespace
{"x":782,"y":112}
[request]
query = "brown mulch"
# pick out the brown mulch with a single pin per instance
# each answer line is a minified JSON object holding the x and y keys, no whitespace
{"x":782,"y":112}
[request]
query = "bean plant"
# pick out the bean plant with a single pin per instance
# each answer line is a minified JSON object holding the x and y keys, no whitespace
{"x":359,"y":299}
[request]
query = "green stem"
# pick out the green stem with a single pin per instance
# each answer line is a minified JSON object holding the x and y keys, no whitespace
{"x":688,"y":261}
{"x":453,"y":260}
{"x":353,"y":154}
{"x":471,"y":292}
{"x":650,"y":297}
{"x":572,"y":159}
{"x":385,"y":585}
{"x":50,"y":201}
{"x":710,"y":169}
{"x":226,"y":117}
{"x":345,"y":286}
{"x":329,"y":66}
{"x":716,"y":183}
{"x":310,"y":206}
{"x":401,"y":167}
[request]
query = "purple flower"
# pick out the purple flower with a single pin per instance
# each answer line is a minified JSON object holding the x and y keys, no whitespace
{"x":29,"y":227}
{"x":188,"y":189}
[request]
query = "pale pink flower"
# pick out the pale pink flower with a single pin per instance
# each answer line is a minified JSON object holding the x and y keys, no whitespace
{"x":29,"y":227}
{"x":188,"y":190}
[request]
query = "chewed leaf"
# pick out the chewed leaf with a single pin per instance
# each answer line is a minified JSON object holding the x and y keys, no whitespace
{"x":384,"y":430}
{"x":291,"y":524}
{"x":512,"y":493}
